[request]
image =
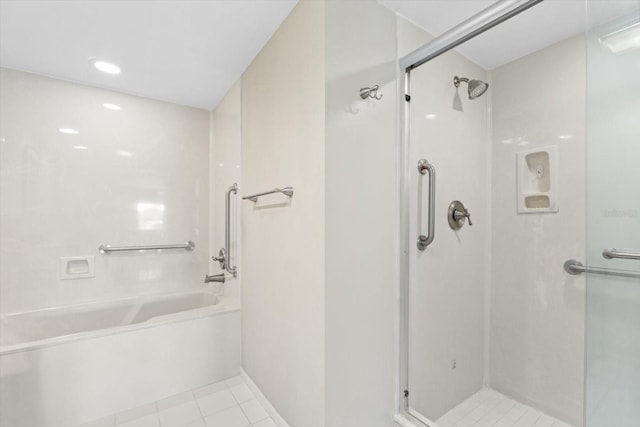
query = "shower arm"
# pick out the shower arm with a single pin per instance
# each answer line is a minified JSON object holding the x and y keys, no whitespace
{"x":457,"y":80}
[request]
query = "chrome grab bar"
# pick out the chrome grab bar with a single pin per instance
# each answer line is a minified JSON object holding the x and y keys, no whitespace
{"x":425,"y":167}
{"x":227,"y":230}
{"x":106,"y":249}
{"x":574,"y":267}
{"x":620,"y":254}
{"x":287,"y":191}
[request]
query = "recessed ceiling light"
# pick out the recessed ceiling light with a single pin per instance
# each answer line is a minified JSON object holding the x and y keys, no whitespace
{"x":106,"y":67}
{"x":430,"y":116}
{"x":80,"y":147}
{"x":68,"y":131}
{"x":113,"y":107}
{"x":623,"y":40}
{"x":565,"y":136}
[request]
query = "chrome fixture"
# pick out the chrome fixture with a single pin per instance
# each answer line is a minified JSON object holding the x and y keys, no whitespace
{"x":370,"y":92}
{"x":106,"y":249}
{"x":457,"y":214}
{"x":475,"y":88}
{"x":574,"y":267}
{"x":218,"y":278}
{"x":287,"y":191}
{"x":221,"y":258}
{"x":620,"y":254}
{"x":224,"y":255}
{"x":425,"y":167}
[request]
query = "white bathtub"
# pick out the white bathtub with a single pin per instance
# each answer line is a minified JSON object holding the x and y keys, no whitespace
{"x":68,"y":365}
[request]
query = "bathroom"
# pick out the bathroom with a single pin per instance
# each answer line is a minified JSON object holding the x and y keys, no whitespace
{"x":319,"y":213}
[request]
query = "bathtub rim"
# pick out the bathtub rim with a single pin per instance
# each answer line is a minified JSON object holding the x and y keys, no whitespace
{"x":225,"y":304}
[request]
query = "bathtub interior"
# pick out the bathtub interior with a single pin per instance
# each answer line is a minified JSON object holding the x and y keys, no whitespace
{"x":38,"y":325}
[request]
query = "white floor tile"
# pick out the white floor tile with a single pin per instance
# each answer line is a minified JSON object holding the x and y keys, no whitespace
{"x":109,"y":421}
{"x":198,"y":423}
{"x":138,"y":412}
{"x":488,"y":408}
{"x":231,"y":417}
{"x":179,"y":415}
{"x":228,"y":403}
{"x":146,"y":421}
{"x":211,"y":403}
{"x":175,"y":400}
{"x":234,"y":381}
{"x":254,"y":411}
{"x":210,"y":389}
{"x":241,"y":392}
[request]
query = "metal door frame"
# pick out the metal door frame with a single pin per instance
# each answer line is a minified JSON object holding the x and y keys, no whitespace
{"x":494,"y":15}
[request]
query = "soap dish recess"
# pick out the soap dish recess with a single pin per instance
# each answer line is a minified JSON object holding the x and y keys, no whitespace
{"x":537,"y":175}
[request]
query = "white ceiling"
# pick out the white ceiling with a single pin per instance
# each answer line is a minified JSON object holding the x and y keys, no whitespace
{"x":188,"y":52}
{"x":542,"y":25}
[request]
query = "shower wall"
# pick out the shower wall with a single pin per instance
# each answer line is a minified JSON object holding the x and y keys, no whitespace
{"x":537,"y":310}
{"x":136,"y":176}
{"x":226,"y":139}
{"x":447,"y":323}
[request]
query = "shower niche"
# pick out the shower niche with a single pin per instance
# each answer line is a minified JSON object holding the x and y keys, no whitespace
{"x":537,"y":180}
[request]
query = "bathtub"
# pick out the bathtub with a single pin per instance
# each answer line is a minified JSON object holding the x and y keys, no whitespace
{"x":64,"y":366}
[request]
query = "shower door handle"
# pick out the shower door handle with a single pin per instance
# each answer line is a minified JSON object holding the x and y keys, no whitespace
{"x":424,"y":167}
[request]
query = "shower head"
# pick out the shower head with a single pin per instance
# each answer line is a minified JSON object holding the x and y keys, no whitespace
{"x":476,"y":88}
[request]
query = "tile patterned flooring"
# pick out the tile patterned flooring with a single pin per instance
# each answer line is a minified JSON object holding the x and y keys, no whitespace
{"x":228,"y":403}
{"x":488,"y":408}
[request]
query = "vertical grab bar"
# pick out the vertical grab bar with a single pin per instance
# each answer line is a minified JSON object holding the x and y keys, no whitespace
{"x":227,"y":230}
{"x":425,"y":167}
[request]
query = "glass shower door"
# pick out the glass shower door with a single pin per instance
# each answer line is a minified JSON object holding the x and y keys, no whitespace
{"x":613,"y":221}
{"x":447,"y":265}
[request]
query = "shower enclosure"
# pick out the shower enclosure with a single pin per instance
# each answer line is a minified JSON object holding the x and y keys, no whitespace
{"x":494,"y":154}
{"x":613,"y":221}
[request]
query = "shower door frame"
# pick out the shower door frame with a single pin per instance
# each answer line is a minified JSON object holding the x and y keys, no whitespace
{"x":486,"y":19}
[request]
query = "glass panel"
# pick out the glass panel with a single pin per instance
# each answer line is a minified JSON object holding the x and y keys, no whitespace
{"x":613,"y":218}
{"x":495,"y":326}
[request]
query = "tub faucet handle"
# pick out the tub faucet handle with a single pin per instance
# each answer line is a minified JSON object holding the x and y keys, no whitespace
{"x":221,"y":258}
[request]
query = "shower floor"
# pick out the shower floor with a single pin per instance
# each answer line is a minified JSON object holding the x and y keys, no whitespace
{"x":488,"y":408}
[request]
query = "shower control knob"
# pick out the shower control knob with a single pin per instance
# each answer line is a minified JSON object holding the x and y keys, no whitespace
{"x":457,"y":215}
{"x":460,"y":215}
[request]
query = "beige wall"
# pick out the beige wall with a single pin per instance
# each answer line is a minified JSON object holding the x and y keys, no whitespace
{"x":361,"y":214}
{"x":537,"y":310}
{"x":283,"y":240}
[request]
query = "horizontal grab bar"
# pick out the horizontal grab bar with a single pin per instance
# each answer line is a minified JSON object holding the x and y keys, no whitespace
{"x":287,"y":191}
{"x":620,"y":254}
{"x":575,"y":267}
{"x":107,"y":249}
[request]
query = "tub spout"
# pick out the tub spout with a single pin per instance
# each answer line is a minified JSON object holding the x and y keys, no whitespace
{"x":215,"y":278}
